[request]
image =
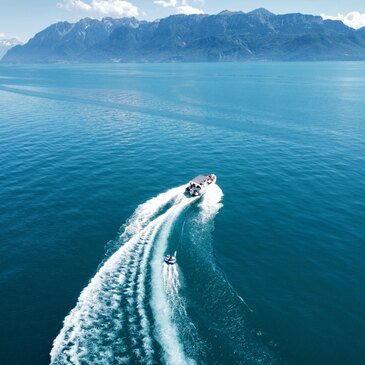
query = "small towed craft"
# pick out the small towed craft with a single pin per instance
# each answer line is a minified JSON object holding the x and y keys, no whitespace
{"x":199,"y":185}
{"x":170,"y":260}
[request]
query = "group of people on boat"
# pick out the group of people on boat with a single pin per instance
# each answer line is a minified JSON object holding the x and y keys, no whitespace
{"x":198,"y":185}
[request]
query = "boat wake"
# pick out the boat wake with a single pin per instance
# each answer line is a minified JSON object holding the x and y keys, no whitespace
{"x":131,"y":310}
{"x":139,"y":310}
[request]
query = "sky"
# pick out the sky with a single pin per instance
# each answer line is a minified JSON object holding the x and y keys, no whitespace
{"x":24,"y":18}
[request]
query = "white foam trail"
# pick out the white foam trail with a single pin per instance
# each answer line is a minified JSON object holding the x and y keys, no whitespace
{"x":93,"y":328}
{"x":167,"y":332}
{"x":141,"y":294}
{"x":211,"y":203}
{"x":145,"y":331}
{"x":138,"y":308}
{"x":172,"y":286}
{"x":146,"y":211}
{"x":98,"y":304}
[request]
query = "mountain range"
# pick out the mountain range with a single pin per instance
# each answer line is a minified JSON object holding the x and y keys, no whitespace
{"x":227,"y":36}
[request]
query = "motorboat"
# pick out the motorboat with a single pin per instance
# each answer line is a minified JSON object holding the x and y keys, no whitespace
{"x":170,"y":260}
{"x":199,"y":184}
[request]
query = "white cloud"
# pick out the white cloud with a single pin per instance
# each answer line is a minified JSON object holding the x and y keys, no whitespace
{"x":8,"y":38}
{"x":186,"y":9}
{"x":354,"y":19}
{"x":74,"y":4}
{"x":115,"y":8}
{"x":182,"y":8}
{"x":166,"y":3}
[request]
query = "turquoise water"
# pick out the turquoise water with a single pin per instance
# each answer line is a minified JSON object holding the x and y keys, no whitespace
{"x":270,"y":262}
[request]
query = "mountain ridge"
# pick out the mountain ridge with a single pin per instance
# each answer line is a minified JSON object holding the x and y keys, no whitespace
{"x":6,"y":44}
{"x":226,"y":36}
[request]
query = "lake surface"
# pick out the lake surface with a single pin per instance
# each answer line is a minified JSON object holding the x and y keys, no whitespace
{"x":270,"y":263}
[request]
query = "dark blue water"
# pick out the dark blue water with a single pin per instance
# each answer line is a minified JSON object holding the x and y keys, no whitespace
{"x":270,"y":262}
